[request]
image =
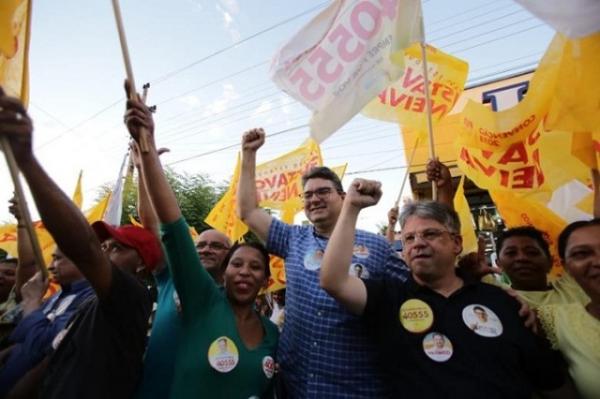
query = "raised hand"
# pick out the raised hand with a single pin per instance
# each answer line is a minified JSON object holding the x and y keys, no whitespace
{"x":438,"y":172}
{"x":363,"y":193}
{"x":393,"y":216}
{"x":35,"y":288}
{"x":138,"y":116}
{"x":16,"y":126}
{"x":253,"y":139}
{"x":14,"y":209}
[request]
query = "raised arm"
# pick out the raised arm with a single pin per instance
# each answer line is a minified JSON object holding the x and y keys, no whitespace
{"x":248,"y":210}
{"x":27,"y":265}
{"x":145,"y":208}
{"x":390,"y":232}
{"x":440,"y":174}
{"x":348,"y":290}
{"x":139,"y":117}
{"x":67,"y":225}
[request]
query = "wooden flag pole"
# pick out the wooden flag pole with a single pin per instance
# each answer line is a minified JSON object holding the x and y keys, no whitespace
{"x":428,"y":103}
{"x":410,"y":162}
{"x":22,"y":204}
{"x":128,"y":68}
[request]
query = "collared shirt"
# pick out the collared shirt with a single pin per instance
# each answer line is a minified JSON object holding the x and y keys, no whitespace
{"x":324,"y":350}
{"x":34,"y":334}
{"x":436,"y":347}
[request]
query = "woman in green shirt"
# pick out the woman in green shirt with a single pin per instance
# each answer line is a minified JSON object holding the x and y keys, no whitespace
{"x":226,"y":350}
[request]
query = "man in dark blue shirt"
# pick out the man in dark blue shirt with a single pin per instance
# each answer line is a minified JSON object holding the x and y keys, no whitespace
{"x":42,"y":320}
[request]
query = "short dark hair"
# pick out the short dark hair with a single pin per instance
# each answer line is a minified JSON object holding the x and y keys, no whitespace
{"x":478,"y":308}
{"x":564,"y":235}
{"x":323,"y":172}
{"x":524,"y":231}
{"x":256,"y":245}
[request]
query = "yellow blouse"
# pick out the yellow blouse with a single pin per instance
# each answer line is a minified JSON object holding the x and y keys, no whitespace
{"x":576,"y":333}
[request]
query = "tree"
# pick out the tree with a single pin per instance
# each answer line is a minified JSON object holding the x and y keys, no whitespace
{"x":197,"y":194}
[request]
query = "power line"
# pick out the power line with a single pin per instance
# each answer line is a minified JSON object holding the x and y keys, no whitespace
{"x":237,"y":43}
{"x":235,"y":145}
{"x":499,"y":38}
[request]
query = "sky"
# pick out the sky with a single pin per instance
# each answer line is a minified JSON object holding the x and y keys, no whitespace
{"x":210,"y":84}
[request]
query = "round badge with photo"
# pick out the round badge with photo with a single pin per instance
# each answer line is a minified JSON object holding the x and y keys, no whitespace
{"x":268,"y":366}
{"x":223,"y":355}
{"x":313,"y":258}
{"x":416,"y":316}
{"x":358,"y":270}
{"x":437,"y":347}
{"x":482,"y":320}
{"x":360,"y":251}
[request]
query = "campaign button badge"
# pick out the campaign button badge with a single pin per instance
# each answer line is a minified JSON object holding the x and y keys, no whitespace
{"x":268,"y":365}
{"x":482,"y":320}
{"x":223,"y":355}
{"x":437,"y":347}
{"x":416,"y":316}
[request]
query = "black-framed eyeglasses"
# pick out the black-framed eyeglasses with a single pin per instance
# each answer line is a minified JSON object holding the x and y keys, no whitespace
{"x":321,"y":193}
{"x":428,"y":235}
{"x":214,"y":245}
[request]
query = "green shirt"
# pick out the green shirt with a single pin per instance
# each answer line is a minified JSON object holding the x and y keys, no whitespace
{"x":212,"y":360}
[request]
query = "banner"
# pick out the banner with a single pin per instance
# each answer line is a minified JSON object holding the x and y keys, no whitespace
{"x":341,"y":59}
{"x":404,"y":101}
{"x":518,"y":149}
{"x":15,"y":17}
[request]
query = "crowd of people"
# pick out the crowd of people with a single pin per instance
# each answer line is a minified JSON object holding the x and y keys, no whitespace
{"x":358,"y":318}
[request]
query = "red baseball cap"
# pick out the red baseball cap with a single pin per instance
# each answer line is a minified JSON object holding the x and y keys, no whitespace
{"x":142,"y":240}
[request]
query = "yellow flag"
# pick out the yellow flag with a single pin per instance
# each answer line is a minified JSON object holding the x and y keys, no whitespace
{"x":15,"y":17}
{"x":404,"y":101}
{"x":78,"y":195}
{"x":223,"y":217}
{"x":526,"y":148}
{"x":467,"y":225}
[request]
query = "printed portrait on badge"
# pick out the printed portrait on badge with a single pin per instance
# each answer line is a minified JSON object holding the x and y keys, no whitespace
{"x":416,"y":316}
{"x":437,"y":347}
{"x":313,"y":258}
{"x":268,"y":366}
{"x":223,"y":355}
{"x":482,"y":320}
{"x":358,"y":270}
{"x":360,"y":251}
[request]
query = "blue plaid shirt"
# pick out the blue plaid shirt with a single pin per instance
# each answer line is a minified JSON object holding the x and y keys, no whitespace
{"x":324,"y":350}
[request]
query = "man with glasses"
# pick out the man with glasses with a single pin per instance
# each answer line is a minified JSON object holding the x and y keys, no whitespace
{"x":212,"y":246}
{"x":323,"y":350}
{"x":423,"y":327}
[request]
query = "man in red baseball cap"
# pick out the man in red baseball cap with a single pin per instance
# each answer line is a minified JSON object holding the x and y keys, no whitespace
{"x":99,"y":354}
{"x":129,"y":247}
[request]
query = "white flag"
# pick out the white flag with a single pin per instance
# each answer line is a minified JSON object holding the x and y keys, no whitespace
{"x":115,"y":206}
{"x":341,"y":60}
{"x":572,"y":18}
